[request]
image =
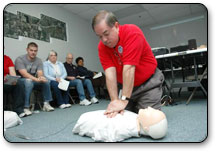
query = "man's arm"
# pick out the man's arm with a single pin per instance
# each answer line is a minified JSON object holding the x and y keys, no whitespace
{"x":25,"y":74}
{"x":128,"y":80}
{"x":40,"y":73}
{"x":70,"y":77}
{"x":12,"y":71}
{"x":111,"y":83}
{"x":41,"y":77}
{"x":117,"y":106}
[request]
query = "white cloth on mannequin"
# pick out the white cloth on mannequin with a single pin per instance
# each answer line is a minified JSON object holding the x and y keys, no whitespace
{"x":100,"y":128}
{"x":11,"y":119}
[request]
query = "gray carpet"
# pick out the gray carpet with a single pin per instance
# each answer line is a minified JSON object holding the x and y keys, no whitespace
{"x":186,"y":123}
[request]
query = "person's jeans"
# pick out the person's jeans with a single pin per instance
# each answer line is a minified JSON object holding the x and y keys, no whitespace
{"x":61,"y":96}
{"x":30,"y":85}
{"x":17,"y":95}
{"x":79,"y":87}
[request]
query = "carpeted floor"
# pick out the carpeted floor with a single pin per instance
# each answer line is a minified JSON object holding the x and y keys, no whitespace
{"x":186,"y":123}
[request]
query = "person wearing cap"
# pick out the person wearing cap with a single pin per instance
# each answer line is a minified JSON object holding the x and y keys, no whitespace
{"x":128,"y":60}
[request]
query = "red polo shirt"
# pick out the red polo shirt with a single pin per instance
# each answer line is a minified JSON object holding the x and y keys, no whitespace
{"x":132,"y":49}
{"x":7,"y":63}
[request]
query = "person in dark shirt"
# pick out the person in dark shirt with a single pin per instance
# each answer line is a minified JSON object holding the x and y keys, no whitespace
{"x":76,"y":81}
{"x":82,"y":71}
{"x":97,"y":82}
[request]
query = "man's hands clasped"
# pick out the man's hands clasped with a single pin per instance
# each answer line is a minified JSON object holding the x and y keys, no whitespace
{"x":115,"y":107}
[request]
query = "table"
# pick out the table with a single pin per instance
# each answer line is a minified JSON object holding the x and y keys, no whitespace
{"x":185,"y":59}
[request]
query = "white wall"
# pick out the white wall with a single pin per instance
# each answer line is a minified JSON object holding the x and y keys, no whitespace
{"x":178,"y":34}
{"x":83,"y":42}
{"x":81,"y":39}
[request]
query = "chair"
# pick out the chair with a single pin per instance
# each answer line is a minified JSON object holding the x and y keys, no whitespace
{"x":7,"y":102}
{"x":201,"y":77}
{"x":8,"y":97}
{"x":36,"y":100}
{"x":72,"y":95}
{"x":163,"y":64}
{"x":99,"y":84}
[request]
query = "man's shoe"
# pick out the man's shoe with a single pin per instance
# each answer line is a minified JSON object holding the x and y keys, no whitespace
{"x":27,"y":111}
{"x":68,"y":105}
{"x":23,"y":114}
{"x":94,"y":100}
{"x":47,"y":108}
{"x":63,"y":106}
{"x":85,"y":102}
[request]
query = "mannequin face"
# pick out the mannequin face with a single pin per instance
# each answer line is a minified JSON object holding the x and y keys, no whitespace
{"x":152,"y":122}
{"x":150,"y":116}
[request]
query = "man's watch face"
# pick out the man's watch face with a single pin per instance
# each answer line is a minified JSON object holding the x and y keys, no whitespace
{"x":123,"y":98}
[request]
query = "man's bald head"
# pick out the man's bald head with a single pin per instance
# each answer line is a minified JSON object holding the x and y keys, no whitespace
{"x":69,"y":58}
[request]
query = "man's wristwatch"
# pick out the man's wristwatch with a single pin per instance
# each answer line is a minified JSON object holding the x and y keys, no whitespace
{"x":125,"y":98}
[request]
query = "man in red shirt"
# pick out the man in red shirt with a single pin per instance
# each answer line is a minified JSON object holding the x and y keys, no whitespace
{"x":8,"y":66}
{"x":15,"y":90}
{"x":127,"y":59}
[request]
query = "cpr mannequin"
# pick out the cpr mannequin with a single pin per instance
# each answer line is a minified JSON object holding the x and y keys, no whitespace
{"x":95,"y":124}
{"x":152,"y":122}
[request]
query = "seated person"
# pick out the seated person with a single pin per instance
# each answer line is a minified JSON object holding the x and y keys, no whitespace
{"x":54,"y":71}
{"x":148,"y":122}
{"x":16,"y":89}
{"x":30,"y":68}
{"x":83,"y":71}
{"x":79,"y":83}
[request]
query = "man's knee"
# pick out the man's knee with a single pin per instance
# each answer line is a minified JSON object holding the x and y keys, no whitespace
{"x":28,"y":83}
{"x":150,"y":98}
{"x":88,"y":81}
{"x":53,"y":84}
{"x":46,"y":84}
{"x":20,"y":84}
{"x":78,"y":83}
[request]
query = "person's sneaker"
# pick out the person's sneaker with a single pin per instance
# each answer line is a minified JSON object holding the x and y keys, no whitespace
{"x":36,"y":112}
{"x":23,"y":114}
{"x":68,"y":105}
{"x":94,"y":100}
{"x":85,"y":102}
{"x":63,"y":106}
{"x":27,"y":111}
{"x":47,"y":108}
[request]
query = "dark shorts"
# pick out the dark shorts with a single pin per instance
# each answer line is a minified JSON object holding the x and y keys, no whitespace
{"x":147,"y":94}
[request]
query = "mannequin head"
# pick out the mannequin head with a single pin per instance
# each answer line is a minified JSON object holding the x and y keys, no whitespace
{"x":152,"y":122}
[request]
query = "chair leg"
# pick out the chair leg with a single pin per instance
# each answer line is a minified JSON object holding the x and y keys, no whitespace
{"x":191,"y":96}
{"x":204,"y":73}
{"x":71,"y":98}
